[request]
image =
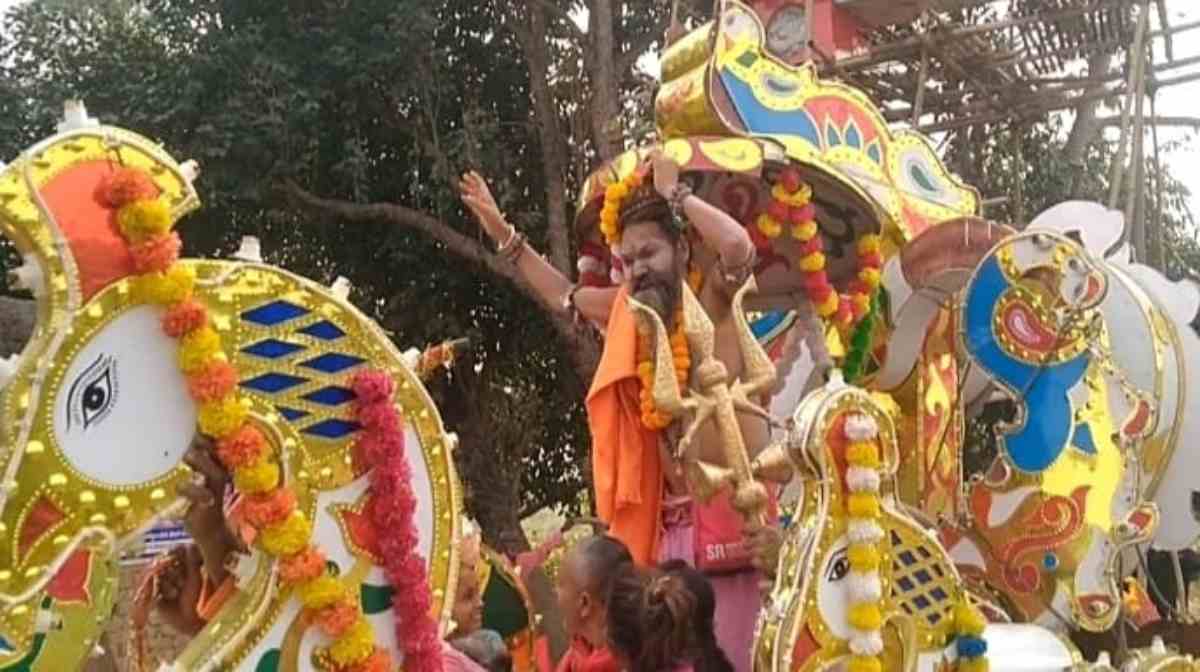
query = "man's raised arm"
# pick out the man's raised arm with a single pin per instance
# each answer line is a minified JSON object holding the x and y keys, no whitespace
{"x":720,"y":232}
{"x":555,"y":290}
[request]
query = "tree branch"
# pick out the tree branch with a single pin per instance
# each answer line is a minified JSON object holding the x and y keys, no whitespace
{"x":1086,"y":125}
{"x":398,"y":215}
{"x":581,"y":348}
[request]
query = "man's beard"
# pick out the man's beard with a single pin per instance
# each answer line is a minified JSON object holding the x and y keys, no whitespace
{"x":661,"y":293}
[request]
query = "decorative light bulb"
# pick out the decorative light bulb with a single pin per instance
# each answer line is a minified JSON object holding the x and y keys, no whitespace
{"x":190,"y":170}
{"x":75,"y":117}
{"x":341,"y":288}
{"x":251,"y":250}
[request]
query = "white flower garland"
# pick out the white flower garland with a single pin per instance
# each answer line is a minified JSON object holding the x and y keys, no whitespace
{"x":865,"y":533}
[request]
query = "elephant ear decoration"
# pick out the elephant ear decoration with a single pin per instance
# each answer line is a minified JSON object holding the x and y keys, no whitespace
{"x":340,"y":457}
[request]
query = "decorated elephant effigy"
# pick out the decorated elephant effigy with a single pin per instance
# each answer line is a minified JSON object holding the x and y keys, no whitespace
{"x":338,"y":455}
{"x":861,"y":584}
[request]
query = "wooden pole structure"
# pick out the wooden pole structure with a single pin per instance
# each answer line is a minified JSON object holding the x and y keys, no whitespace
{"x":919,"y":103}
{"x":1134,"y":60}
{"x":1018,"y":210}
{"x":1135,"y":207}
{"x":1157,"y":260}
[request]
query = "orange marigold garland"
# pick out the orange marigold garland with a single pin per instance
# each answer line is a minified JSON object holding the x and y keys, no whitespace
{"x":144,"y":221}
{"x":652,"y":418}
{"x":791,"y":204}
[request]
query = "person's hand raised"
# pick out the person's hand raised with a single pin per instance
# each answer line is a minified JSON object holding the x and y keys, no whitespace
{"x":666,"y":173}
{"x":478,"y":198}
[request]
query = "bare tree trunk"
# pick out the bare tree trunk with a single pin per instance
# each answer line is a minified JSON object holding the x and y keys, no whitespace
{"x":1087,"y":123}
{"x":535,"y":47}
{"x":606,"y":105}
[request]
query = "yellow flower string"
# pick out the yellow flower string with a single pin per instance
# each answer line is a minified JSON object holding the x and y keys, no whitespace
{"x":145,"y":223}
{"x":969,"y":625}
{"x":791,"y":202}
{"x":863,"y":509}
{"x":614,"y":196}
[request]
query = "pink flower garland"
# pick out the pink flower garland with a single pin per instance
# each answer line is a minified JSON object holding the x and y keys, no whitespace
{"x":394,"y":506}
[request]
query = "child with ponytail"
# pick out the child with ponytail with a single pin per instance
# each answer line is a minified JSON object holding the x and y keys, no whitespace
{"x":652,"y":622}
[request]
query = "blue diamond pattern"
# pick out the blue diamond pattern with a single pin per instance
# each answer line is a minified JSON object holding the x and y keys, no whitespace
{"x":331,"y":429}
{"x":274,"y":313}
{"x":938,"y":594}
{"x":290,"y":413}
{"x":332,"y":362}
{"x":272,"y":383}
{"x":922,"y":602}
{"x":908,"y":558}
{"x":330,"y":396}
{"x":272,"y":349}
{"x":923,"y":576}
{"x":324,"y":330}
{"x":905,"y":584}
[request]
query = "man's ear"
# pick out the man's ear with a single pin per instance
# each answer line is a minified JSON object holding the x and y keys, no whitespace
{"x":586,"y":603}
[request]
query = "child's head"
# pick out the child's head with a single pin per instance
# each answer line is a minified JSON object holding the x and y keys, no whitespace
{"x":711,"y":658}
{"x":583,"y":585}
{"x":467,"y":611}
{"x":652,"y":620}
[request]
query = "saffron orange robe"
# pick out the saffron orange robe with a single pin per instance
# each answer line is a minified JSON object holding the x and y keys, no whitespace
{"x":626,"y":469}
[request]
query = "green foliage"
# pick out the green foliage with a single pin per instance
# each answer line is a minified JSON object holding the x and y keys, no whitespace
{"x":374,"y":100}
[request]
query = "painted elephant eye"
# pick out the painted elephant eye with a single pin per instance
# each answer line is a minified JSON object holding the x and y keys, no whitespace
{"x":92,"y":394}
{"x":839,"y":567}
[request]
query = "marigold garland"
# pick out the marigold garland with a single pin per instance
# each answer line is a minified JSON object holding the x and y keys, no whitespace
{"x":652,"y":418}
{"x":393,"y":508}
{"x":614,"y":195}
{"x":970,"y":645}
{"x":144,"y":221}
{"x":791,"y":203}
{"x":862,"y":510}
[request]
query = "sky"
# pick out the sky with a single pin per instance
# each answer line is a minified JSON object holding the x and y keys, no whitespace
{"x":1184,"y":162}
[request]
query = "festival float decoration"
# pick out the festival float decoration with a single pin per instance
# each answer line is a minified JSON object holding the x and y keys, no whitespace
{"x":893,"y":278}
{"x":309,"y":403}
{"x":1090,"y":351}
{"x":861,"y":584}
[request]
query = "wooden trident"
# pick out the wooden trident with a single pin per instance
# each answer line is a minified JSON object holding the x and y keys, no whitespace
{"x":712,"y":397}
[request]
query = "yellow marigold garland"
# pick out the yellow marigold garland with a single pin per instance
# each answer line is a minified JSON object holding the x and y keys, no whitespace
{"x":864,"y":532}
{"x":791,"y":202}
{"x":145,"y":223}
{"x":969,"y":625}
{"x":614,"y":195}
